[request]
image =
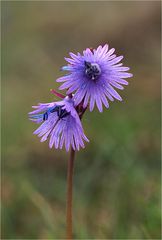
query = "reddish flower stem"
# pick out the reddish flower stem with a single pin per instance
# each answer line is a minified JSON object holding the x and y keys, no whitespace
{"x":57,"y":94}
{"x":69,"y":195}
{"x":69,"y":203}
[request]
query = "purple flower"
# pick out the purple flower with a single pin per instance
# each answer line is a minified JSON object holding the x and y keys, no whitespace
{"x":93,"y":77}
{"x":60,"y":122}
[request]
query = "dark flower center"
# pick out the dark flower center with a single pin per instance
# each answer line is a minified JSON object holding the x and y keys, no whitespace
{"x":61,"y":113}
{"x":92,"y":70}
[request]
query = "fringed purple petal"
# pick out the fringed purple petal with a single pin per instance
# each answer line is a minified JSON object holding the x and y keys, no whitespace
{"x":62,"y":130}
{"x":95,"y":89}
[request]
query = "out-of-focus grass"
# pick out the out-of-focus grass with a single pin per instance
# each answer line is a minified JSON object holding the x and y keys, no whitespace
{"x":117,"y":176}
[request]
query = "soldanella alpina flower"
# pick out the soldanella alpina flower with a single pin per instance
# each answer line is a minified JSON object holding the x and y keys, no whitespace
{"x":60,"y":123}
{"x":93,"y":77}
{"x":91,"y":80}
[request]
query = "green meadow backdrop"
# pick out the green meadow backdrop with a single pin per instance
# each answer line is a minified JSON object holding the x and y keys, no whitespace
{"x":117,"y":175}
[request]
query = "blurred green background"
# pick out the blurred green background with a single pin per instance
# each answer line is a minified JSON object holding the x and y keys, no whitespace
{"x":117,"y":175}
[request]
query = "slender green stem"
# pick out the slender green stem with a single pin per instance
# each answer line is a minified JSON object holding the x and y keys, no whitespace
{"x":69,"y":195}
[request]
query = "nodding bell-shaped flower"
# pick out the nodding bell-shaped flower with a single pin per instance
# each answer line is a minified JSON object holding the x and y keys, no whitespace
{"x":60,"y":123}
